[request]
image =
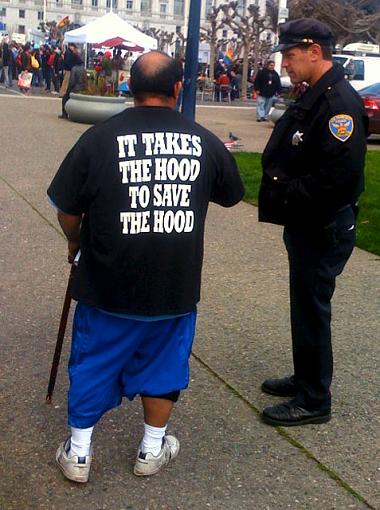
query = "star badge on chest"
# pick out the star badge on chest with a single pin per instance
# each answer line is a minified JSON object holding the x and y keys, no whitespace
{"x":297,"y":138}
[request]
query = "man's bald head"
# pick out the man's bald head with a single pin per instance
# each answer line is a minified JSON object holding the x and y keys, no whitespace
{"x":154,"y":74}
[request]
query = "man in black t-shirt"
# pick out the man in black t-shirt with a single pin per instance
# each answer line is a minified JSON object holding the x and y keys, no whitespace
{"x":132,"y":195}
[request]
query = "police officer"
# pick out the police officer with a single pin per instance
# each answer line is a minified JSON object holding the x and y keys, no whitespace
{"x":312,"y":178}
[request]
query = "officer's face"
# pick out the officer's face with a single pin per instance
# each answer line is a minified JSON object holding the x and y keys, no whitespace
{"x":298,"y":64}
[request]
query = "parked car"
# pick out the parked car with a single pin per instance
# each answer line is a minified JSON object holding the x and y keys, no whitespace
{"x":371,"y":100}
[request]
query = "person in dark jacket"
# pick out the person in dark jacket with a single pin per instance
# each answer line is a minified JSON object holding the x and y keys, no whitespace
{"x":313,"y":167}
{"x":70,"y":59}
{"x":267,"y":84}
{"x":77,"y":82}
{"x":7,"y":64}
{"x":57,"y":70}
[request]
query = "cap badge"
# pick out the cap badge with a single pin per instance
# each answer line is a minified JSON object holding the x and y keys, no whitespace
{"x":341,"y":126}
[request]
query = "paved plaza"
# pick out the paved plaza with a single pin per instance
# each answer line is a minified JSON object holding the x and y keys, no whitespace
{"x":229,"y":460}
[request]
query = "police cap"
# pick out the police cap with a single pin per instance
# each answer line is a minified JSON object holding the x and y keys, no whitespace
{"x":303,"y":31}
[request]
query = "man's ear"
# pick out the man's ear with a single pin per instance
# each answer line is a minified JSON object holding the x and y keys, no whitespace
{"x":177,"y":88}
{"x":315,"y":51}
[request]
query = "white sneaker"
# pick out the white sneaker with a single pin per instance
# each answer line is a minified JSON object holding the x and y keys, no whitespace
{"x":74,"y":468}
{"x":149,"y":464}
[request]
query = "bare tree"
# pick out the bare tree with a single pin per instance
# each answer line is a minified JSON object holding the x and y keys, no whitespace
{"x":165,"y":40}
{"x":180,"y":44}
{"x":247,"y":29}
{"x":210,"y":34}
{"x":351,"y":20}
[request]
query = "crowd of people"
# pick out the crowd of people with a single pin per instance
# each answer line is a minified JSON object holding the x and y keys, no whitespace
{"x":45,"y":64}
{"x":30,"y":67}
{"x":228,"y":77}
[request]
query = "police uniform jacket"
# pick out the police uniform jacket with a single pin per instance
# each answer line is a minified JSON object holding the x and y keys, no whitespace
{"x":313,"y":164}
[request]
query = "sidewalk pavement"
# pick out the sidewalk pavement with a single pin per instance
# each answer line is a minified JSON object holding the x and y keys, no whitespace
{"x":229,"y":459}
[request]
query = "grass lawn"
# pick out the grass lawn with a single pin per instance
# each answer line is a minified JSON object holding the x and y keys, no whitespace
{"x":368,"y":228}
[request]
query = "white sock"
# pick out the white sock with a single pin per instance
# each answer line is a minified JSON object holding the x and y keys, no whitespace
{"x":80,"y":441}
{"x":152,"y":440}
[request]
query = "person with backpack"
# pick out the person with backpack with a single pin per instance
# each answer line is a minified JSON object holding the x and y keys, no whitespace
{"x":56,"y":63}
{"x":35,"y":66}
{"x":47,"y":62}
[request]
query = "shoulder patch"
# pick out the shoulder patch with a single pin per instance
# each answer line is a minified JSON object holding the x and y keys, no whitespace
{"x":341,"y":126}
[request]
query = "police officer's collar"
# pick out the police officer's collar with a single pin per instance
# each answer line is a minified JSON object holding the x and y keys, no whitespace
{"x":332,"y":76}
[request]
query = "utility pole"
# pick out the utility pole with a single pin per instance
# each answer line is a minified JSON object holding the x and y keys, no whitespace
{"x":283,"y":14}
{"x":191,"y":60}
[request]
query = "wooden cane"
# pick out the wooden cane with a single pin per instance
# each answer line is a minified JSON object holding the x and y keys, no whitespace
{"x":61,"y":335}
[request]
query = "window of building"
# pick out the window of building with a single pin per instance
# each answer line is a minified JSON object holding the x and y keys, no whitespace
{"x":40,"y":15}
{"x":209,"y":4}
{"x":76,"y":4}
{"x":3,"y":11}
{"x":21,"y":29}
{"x":146,"y":6}
{"x":224,"y":34}
{"x":129,"y":5}
{"x":241,"y":7}
{"x":94,"y":3}
{"x":178,"y":7}
{"x":21,"y":13}
{"x":163,"y":10}
{"x":114,"y":4}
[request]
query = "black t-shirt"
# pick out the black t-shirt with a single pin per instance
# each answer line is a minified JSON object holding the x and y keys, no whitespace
{"x":143,"y":181}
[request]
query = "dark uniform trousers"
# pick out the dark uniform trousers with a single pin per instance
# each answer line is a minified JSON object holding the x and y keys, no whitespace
{"x":316,"y":257}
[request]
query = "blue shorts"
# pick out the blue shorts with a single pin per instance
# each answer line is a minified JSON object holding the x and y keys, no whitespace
{"x":112,"y":357}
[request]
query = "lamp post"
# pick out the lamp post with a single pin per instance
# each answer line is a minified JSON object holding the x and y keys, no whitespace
{"x":191,"y":60}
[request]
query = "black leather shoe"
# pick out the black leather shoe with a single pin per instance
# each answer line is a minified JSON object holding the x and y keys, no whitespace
{"x":290,"y":414}
{"x":284,"y":387}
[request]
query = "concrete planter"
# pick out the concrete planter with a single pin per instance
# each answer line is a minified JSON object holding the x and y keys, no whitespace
{"x":93,"y":109}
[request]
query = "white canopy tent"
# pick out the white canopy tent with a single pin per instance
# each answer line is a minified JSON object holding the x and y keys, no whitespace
{"x":108,"y":27}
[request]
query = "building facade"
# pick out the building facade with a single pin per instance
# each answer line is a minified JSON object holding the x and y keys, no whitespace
{"x":21,"y":16}
{"x":24,"y":16}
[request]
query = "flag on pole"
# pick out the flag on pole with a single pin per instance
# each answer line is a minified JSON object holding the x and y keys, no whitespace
{"x":64,"y":21}
{"x":228,"y":56}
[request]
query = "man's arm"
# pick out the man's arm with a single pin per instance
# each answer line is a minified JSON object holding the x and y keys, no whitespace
{"x":70,"y":225}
